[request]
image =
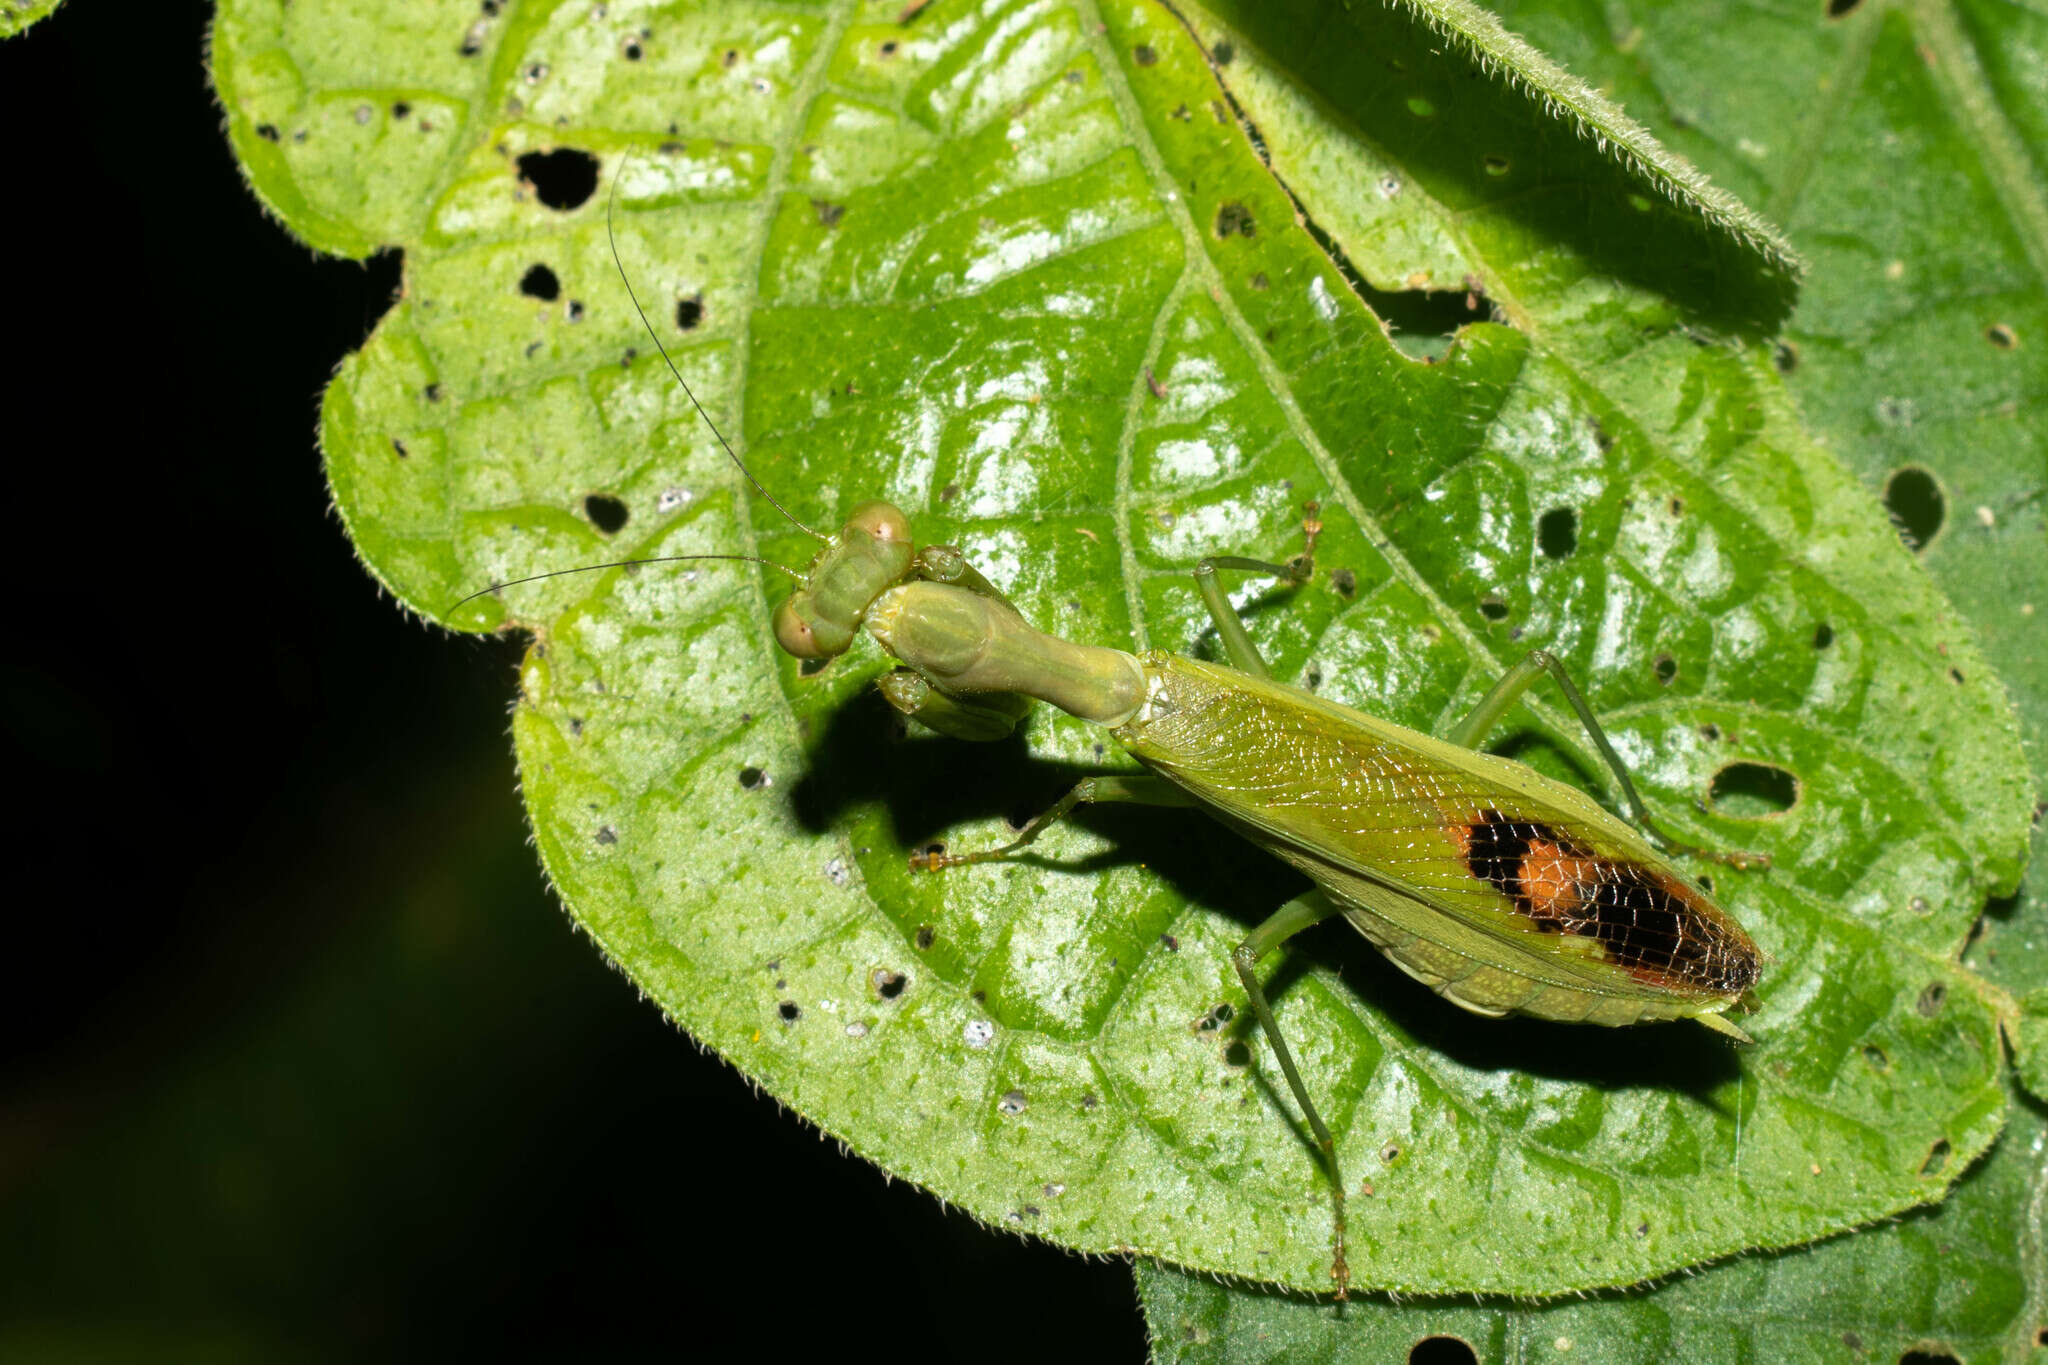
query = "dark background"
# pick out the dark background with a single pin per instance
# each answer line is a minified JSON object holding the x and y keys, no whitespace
{"x":301,"y":1058}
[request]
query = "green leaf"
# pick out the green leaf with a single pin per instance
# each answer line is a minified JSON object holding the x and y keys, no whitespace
{"x":1961,"y":1282}
{"x":1021,"y":270}
{"x":16,"y":16}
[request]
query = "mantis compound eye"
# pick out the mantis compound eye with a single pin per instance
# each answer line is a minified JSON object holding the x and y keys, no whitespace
{"x":793,"y":632}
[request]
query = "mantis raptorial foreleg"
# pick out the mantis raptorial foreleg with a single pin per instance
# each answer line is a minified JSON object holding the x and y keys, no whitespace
{"x":1523,"y":676}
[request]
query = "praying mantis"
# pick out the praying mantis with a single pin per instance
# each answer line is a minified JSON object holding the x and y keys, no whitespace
{"x":1502,"y":890}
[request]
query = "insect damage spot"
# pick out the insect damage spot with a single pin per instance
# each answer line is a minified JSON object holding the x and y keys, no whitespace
{"x":1012,"y":1103}
{"x":607,"y":513}
{"x":1557,"y":532}
{"x":1442,"y":1351}
{"x":1752,"y":791}
{"x":539,"y":282}
{"x":562,"y":179}
{"x":1234,"y":218}
{"x":1916,"y":503}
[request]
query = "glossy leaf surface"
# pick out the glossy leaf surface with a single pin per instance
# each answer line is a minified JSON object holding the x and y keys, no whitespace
{"x":1021,"y":269}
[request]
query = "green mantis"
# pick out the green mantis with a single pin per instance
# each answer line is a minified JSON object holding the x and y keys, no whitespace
{"x":1502,"y":890}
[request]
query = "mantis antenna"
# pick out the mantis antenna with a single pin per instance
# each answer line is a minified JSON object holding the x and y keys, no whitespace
{"x":611,"y":200}
{"x":621,"y":564}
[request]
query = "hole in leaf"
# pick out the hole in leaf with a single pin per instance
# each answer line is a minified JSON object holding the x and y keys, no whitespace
{"x":1785,"y":357}
{"x":1235,"y":218}
{"x":1667,"y":668}
{"x":401,"y":110}
{"x":268,"y":132}
{"x":1752,"y":791}
{"x":1496,"y":165}
{"x":2002,"y":336}
{"x":1838,"y":8}
{"x":1916,"y":503}
{"x":1442,"y":1351}
{"x":1143,"y":55}
{"x":1876,"y":1058}
{"x":1237,"y":1054}
{"x":1421,"y":107}
{"x":1390,"y":1153}
{"x":632,"y":50}
{"x":1823,"y":635}
{"x":1931,"y":999}
{"x":810,"y":668}
{"x":1224,"y":53}
{"x":563,"y":179}
{"x":789,"y":1011}
{"x":1493,"y":608}
{"x":1955,"y":675}
{"x":1557,"y":532}
{"x":1215,"y":1018}
{"x":1937,"y":1158}
{"x":539,"y":282}
{"x":1923,"y":1355}
{"x":1345,"y":582}
{"x":926,"y":937}
{"x":888,"y":984}
{"x":1711,"y":733}
{"x":689,"y":312}
{"x":752,"y":777}
{"x":606,"y":512}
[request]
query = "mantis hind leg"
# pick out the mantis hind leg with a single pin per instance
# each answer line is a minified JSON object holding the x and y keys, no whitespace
{"x":1290,"y":919}
{"x":1237,"y":645}
{"x":1128,"y":790}
{"x":1520,"y":679}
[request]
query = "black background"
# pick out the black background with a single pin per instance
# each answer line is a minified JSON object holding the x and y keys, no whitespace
{"x":301,"y":1058}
